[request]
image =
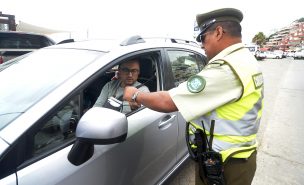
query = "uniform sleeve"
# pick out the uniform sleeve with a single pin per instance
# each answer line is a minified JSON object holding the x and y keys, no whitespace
{"x":222,"y":86}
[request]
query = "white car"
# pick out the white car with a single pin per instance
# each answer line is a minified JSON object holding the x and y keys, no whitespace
{"x":260,"y":55}
{"x":50,"y":135}
{"x":15,"y":43}
{"x":273,"y":55}
{"x":299,"y":54}
{"x":291,"y":54}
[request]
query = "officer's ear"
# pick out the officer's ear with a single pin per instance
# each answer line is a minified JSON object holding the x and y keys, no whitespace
{"x":219,"y":30}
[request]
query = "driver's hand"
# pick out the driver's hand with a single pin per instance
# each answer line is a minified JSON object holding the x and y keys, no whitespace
{"x":128,"y":93}
{"x":134,"y":105}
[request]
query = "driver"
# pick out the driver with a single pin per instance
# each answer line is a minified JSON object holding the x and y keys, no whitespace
{"x":112,"y":93}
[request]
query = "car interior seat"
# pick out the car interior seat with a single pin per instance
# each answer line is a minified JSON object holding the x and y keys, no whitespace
{"x":92,"y":92}
{"x":147,"y":74}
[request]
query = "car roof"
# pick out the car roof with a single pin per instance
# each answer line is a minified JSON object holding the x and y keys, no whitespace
{"x":131,"y":43}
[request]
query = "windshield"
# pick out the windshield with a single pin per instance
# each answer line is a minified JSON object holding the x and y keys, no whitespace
{"x":26,"y":80}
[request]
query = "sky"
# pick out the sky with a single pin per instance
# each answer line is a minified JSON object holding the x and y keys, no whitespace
{"x":123,"y":18}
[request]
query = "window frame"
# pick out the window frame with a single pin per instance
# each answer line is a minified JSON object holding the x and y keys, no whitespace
{"x":169,"y":65}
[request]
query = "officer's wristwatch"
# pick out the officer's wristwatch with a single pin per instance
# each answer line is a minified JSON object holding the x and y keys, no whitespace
{"x":135,"y":96}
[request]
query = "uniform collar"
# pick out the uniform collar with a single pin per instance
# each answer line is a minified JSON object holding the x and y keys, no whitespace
{"x":227,"y":51}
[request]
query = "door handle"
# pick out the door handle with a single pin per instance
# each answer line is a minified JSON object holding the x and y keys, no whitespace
{"x":166,"y":122}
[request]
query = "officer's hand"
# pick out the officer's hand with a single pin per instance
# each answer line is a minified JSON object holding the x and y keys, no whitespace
{"x":128,"y":93}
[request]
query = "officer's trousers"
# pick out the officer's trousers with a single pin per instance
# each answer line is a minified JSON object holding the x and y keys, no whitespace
{"x":236,"y":171}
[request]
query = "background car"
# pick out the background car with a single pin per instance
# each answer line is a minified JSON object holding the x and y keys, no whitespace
{"x":13,"y":44}
{"x":260,"y":55}
{"x":50,"y":134}
{"x":255,"y":50}
{"x":290,"y":54}
{"x":299,"y":54}
{"x":272,"y":55}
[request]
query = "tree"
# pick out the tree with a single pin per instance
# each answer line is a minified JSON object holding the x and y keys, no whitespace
{"x":259,"y":39}
{"x":301,"y":19}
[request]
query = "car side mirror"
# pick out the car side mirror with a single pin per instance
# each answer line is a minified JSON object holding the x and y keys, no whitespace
{"x":98,"y":126}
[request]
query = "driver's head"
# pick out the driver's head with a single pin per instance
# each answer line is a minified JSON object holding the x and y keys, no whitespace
{"x":128,"y":72}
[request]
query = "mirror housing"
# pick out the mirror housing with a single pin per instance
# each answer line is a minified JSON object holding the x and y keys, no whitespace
{"x":98,"y":126}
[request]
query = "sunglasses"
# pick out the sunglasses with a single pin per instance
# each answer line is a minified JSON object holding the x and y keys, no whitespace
{"x":203,"y":36}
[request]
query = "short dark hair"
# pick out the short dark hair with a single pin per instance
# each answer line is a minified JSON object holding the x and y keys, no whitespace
{"x":129,"y":60}
{"x":233,"y":28}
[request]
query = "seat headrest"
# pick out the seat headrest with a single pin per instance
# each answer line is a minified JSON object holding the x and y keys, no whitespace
{"x":146,"y":67}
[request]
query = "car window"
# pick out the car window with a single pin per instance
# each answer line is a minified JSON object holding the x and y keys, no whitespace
{"x":184,"y":64}
{"x":59,"y":128}
{"x":105,"y":91}
{"x":24,"y":42}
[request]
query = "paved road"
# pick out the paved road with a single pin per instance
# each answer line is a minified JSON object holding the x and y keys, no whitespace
{"x":279,"y":160}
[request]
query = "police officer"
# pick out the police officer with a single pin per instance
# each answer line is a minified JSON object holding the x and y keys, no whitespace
{"x":224,"y":100}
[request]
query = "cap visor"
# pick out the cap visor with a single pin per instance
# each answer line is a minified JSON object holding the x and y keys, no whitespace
{"x":198,"y":38}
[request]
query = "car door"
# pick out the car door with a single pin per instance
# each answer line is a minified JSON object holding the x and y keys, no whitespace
{"x":181,"y":65}
{"x":39,"y":155}
{"x":144,"y":158}
{"x":149,"y":152}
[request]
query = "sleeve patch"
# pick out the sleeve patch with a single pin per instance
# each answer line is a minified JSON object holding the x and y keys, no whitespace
{"x":196,"y":84}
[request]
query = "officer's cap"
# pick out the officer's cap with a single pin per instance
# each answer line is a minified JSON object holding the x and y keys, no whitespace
{"x":205,"y":20}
